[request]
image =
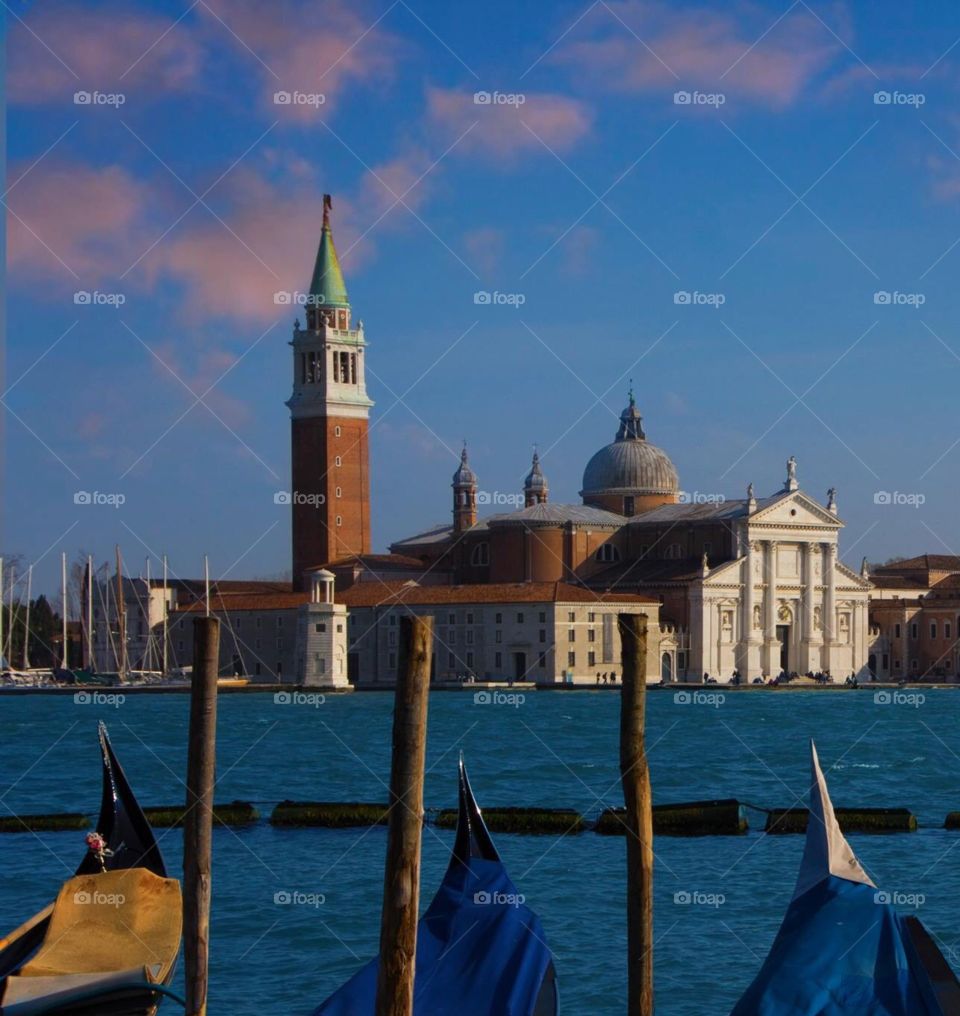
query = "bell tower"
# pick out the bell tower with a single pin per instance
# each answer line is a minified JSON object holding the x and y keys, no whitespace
{"x":329,"y":411}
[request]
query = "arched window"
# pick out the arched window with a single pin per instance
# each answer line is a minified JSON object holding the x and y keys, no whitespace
{"x":673,"y":551}
{"x":608,"y":553}
{"x":480,"y":556}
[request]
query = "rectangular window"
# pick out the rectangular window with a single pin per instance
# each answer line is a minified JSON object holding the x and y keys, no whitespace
{"x":256,"y":645}
{"x":591,"y":617}
{"x":543,"y":617}
{"x":519,"y":618}
{"x":572,"y":635}
{"x":543,"y":634}
{"x":591,"y":635}
{"x":469,"y":638}
{"x":469,"y":618}
{"x":392,"y":661}
{"x":571,"y":616}
{"x":591,"y":659}
{"x":542,"y":660}
{"x":279,"y":643}
{"x":393,"y":619}
{"x":498,"y":637}
{"x":453,"y":637}
{"x":896,"y":631}
{"x":451,"y":660}
{"x":451,"y":618}
{"x":257,"y":670}
{"x":886,"y":661}
{"x":279,"y":620}
{"x":498,"y":660}
{"x":933,"y":629}
{"x":914,"y":630}
{"x":469,"y":659}
{"x":571,"y":659}
{"x":498,"y":619}
{"x":947,"y":630}
{"x":321,"y":627}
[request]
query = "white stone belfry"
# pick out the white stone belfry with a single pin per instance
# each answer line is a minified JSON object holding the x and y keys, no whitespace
{"x":322,"y":635}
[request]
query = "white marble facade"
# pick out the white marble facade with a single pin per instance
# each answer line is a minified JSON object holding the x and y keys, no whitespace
{"x":785,"y":603}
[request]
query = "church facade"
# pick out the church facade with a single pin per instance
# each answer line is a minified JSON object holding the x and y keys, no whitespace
{"x":751,"y":587}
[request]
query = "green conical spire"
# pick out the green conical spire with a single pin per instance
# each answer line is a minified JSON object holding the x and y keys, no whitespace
{"x":327,"y":286}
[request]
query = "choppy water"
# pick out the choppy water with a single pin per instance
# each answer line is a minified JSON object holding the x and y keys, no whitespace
{"x":556,"y":749}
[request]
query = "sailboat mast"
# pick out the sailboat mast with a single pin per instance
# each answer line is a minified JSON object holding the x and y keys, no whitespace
{"x":206,"y":582}
{"x":2,"y":611}
{"x":26,"y":621}
{"x":164,"y":615}
{"x":149,"y":653}
{"x":89,"y":584}
{"x":13,"y":576}
{"x":121,"y":617}
{"x":64,"y":662}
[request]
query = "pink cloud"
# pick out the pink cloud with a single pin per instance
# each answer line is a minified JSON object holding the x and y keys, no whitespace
{"x":485,"y":247}
{"x":700,"y":48}
{"x":501,"y":129}
{"x":73,"y":221}
{"x":106,"y":48}
{"x":303,"y":50}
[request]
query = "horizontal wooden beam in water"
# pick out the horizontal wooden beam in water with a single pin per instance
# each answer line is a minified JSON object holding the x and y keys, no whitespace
{"x":952,"y":821}
{"x":696,"y":818}
{"x":531,"y":821}
{"x":329,"y":814}
{"x":852,"y":820}
{"x":237,"y":813}
{"x":43,"y":823}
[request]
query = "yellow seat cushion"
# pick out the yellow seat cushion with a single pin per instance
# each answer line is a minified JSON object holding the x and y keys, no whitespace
{"x":117,"y":920}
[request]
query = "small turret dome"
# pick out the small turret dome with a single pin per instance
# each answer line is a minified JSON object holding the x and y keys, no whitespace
{"x":464,"y":476}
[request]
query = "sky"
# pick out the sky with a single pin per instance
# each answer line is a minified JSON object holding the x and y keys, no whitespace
{"x":750,"y":210}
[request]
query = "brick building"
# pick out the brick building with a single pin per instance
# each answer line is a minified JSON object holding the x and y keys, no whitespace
{"x":915,"y":618}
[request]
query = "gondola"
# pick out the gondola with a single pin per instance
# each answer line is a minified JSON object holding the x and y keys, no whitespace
{"x":842,"y":947}
{"x":108,"y":945}
{"x":480,"y":950}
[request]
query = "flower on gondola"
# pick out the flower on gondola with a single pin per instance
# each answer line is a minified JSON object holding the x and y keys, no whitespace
{"x":97,"y":845}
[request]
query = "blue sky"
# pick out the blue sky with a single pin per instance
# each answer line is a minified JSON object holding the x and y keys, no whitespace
{"x":784,"y":189}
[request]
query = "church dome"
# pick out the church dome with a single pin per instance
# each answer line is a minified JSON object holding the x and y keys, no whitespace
{"x":630,"y":465}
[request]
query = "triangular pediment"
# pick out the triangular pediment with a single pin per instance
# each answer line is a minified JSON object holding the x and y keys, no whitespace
{"x":794,"y":508}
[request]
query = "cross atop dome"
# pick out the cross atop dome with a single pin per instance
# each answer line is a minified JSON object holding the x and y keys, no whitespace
{"x":631,"y":422}
{"x":535,"y":488}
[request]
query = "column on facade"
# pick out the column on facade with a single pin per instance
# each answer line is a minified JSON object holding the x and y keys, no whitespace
{"x":809,"y":590}
{"x":772,"y":659}
{"x":747,"y":625}
{"x":829,"y":594}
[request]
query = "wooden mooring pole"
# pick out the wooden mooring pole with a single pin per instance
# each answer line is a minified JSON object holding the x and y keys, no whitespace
{"x":635,"y":776}
{"x":401,"y":884}
{"x":198,"y":820}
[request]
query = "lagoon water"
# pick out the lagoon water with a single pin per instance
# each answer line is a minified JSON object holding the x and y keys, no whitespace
{"x":552,"y":750}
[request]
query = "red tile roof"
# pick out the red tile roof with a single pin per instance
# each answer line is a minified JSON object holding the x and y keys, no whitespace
{"x":244,"y":601}
{"x":376,"y":594}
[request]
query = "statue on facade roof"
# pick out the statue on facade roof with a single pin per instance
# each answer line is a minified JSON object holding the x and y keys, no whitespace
{"x":832,"y":499}
{"x":791,"y":473}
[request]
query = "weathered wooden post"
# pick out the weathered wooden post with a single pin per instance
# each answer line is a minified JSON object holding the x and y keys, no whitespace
{"x":635,"y":776}
{"x":401,"y":884}
{"x":198,"y":820}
